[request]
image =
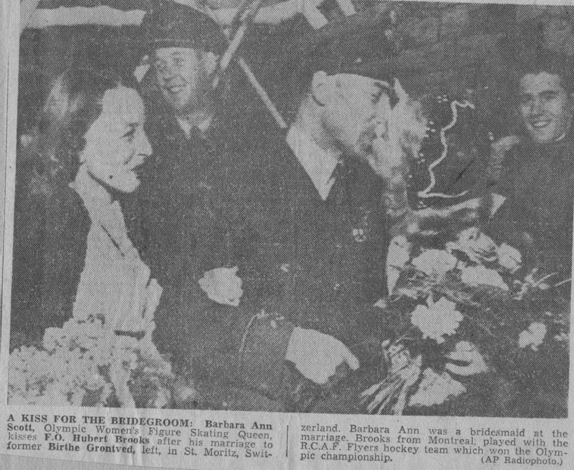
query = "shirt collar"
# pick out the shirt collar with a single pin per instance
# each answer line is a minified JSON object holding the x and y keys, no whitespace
{"x":187,"y":126}
{"x":318,"y":163}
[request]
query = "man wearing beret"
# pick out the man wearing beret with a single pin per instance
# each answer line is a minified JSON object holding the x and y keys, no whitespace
{"x":304,"y":222}
{"x":308,"y":232}
{"x":166,"y":215}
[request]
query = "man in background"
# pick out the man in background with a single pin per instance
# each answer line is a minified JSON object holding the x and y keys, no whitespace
{"x":307,"y":229}
{"x":166,"y":215}
{"x":537,"y":176}
{"x":537,"y":216}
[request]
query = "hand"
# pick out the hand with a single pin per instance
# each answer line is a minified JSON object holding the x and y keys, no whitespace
{"x":153,"y":294}
{"x":499,"y":148}
{"x":223,"y":286}
{"x":387,"y":156}
{"x":466,"y":352}
{"x":509,"y":257}
{"x":399,"y":132}
{"x":317,"y":355}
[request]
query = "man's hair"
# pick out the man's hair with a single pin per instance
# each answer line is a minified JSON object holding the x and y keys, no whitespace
{"x":554,"y":63}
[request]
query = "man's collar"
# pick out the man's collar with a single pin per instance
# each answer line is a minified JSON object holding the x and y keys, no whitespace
{"x":318,"y":163}
{"x":187,"y":126}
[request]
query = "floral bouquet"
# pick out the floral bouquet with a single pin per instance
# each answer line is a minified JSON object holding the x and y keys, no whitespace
{"x":469,"y":301}
{"x":85,"y":363}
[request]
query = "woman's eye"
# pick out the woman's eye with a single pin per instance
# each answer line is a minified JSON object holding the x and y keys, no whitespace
{"x":129,"y":136}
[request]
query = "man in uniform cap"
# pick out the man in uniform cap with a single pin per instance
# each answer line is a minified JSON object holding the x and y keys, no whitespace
{"x":304,"y":222}
{"x":308,"y":232}
{"x":166,"y":215}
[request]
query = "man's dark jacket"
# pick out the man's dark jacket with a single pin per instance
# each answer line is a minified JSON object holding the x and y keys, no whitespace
{"x":166,"y":213}
{"x":538,"y":182}
{"x":303,"y":261}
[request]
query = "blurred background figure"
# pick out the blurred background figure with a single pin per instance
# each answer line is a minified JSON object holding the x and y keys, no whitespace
{"x":534,"y":170}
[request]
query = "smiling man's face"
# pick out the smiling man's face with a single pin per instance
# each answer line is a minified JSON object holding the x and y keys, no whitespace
{"x":544,"y":106}
{"x":183,"y":76}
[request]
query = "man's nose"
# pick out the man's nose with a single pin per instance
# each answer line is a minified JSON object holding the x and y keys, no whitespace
{"x":536,"y":107}
{"x":168,"y":71}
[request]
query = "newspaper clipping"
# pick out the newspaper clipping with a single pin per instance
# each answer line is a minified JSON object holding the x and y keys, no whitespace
{"x":289,"y":234}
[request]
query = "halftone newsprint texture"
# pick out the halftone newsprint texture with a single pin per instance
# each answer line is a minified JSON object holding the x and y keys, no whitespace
{"x":289,"y":234}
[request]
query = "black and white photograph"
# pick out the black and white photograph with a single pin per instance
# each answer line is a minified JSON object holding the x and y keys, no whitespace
{"x":355,"y":207}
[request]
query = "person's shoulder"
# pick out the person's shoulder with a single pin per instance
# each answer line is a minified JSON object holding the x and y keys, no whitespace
{"x":260,"y":153}
{"x":253,"y":171}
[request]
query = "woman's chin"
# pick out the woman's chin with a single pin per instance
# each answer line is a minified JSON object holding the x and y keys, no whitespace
{"x":123,"y":185}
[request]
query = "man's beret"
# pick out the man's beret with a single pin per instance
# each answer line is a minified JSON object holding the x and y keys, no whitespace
{"x":347,"y":48}
{"x":173,"y":24}
{"x":357,"y":45}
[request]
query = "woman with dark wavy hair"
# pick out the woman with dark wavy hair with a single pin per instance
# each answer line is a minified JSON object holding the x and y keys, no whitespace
{"x":72,"y":255}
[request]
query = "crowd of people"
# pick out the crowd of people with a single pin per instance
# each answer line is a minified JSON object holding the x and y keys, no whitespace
{"x":257,"y":264}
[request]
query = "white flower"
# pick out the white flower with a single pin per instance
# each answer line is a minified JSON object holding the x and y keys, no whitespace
{"x":562,"y":337}
{"x":435,"y":389}
{"x":435,"y":262}
{"x":52,"y":338}
{"x":73,"y":366}
{"x":480,"y":275}
{"x":223,"y":286}
{"x":533,"y":336}
{"x":437,"y":319}
{"x":509,"y":258}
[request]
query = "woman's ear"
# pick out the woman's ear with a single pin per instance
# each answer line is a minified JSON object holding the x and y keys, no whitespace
{"x":320,"y":88}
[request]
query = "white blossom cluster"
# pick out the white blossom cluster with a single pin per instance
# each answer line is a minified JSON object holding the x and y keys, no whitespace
{"x":437,"y":320}
{"x":78,"y":364}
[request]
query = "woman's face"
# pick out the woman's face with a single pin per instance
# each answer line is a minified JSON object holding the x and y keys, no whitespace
{"x":116,"y":144}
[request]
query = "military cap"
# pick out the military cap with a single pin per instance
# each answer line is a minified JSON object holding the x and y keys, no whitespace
{"x":173,"y":24}
{"x":354,"y":45}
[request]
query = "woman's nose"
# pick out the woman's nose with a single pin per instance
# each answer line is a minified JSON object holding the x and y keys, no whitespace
{"x":145,"y":148}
